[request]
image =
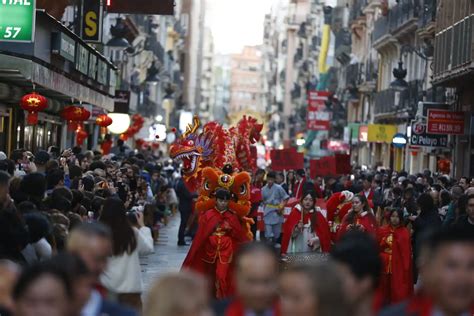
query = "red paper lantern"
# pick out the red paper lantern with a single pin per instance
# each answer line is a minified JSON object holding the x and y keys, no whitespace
{"x":33,"y":103}
{"x":444,"y":166}
{"x":103,"y":120}
{"x":74,"y":115}
{"x":124,"y":136}
{"x":81,"y":135}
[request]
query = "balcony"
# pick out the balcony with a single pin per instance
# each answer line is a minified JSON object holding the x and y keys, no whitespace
{"x":381,"y":29}
{"x":357,"y":9}
{"x":454,"y":51}
{"x":403,"y":15}
{"x":398,"y":104}
{"x":368,"y":77}
{"x":343,"y":46}
{"x":353,"y":75}
{"x":401,"y":20}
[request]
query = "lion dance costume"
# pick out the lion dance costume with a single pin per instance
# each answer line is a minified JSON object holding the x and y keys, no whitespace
{"x":211,"y":164}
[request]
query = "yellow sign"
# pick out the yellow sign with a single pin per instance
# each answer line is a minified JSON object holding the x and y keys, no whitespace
{"x":379,"y":133}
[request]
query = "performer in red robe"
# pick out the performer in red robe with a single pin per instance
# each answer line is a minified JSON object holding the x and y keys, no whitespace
{"x":302,"y":215}
{"x":338,"y":205}
{"x":300,"y":183}
{"x":219,"y":235}
{"x":396,"y":283}
{"x":106,"y":145}
{"x":359,"y":218}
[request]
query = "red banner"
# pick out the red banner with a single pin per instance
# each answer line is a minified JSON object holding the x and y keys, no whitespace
{"x":325,"y":166}
{"x":286,"y":159}
{"x":445,"y":122}
{"x":343,"y":164}
{"x":317,"y":117}
{"x":330,"y":166}
{"x":318,"y":98}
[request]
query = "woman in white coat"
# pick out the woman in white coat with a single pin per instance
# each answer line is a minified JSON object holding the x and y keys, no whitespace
{"x":123,"y":273}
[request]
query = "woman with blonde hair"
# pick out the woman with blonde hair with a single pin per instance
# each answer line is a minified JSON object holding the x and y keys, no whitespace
{"x":178,"y":294}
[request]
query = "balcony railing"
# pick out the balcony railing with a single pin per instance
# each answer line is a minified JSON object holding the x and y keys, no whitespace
{"x":391,"y":101}
{"x":402,"y":13}
{"x":357,"y":8}
{"x":370,"y":72}
{"x":454,"y":48}
{"x":381,"y":28}
{"x":353,"y":75}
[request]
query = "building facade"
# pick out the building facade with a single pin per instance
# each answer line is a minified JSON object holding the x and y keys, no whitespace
{"x":452,"y":69}
{"x":245,"y":84}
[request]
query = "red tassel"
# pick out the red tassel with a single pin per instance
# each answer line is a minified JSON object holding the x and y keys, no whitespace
{"x":32,"y":118}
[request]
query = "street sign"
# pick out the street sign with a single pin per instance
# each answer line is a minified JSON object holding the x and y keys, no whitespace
{"x":445,"y":122}
{"x":381,"y":133}
{"x":64,"y":46}
{"x":160,"y":7}
{"x":17,"y":20}
{"x":318,"y":120}
{"x":317,"y":117}
{"x":420,"y":137}
{"x":92,"y":17}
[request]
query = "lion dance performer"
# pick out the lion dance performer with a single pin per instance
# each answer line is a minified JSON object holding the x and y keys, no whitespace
{"x":211,"y":167}
{"x":338,"y":205}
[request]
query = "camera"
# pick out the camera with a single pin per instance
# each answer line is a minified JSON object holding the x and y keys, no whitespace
{"x":132,"y":214}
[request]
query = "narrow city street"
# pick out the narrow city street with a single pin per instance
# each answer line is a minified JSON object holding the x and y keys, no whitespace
{"x":168,"y":257}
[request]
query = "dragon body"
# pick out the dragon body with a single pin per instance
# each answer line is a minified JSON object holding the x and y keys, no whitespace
{"x":215,"y":146}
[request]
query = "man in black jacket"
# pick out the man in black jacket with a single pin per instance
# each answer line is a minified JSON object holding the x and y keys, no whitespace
{"x":185,"y":208}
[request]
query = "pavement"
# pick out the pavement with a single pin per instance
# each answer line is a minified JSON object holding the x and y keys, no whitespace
{"x":168,"y":257}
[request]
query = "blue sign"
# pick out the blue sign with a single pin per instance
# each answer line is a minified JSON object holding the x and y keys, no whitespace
{"x":399,"y":140}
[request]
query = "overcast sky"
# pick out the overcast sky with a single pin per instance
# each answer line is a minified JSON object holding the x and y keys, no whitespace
{"x":236,"y":23}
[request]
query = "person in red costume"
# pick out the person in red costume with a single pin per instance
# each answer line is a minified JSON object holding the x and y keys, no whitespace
{"x":106,"y":145}
{"x":359,"y":218}
{"x":396,"y":282}
{"x":300,"y":183}
{"x":338,"y":205}
{"x":306,"y":229}
{"x":219,"y":235}
{"x":446,"y":265}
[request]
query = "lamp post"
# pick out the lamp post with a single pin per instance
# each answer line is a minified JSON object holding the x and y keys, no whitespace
{"x":399,"y":85}
{"x":118,"y":46}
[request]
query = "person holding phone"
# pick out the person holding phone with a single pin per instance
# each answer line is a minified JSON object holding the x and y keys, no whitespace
{"x":129,"y":241}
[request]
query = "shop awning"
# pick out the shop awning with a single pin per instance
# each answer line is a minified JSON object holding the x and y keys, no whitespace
{"x":25,"y":72}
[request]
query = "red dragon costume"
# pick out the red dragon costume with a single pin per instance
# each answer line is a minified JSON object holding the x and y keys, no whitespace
{"x":338,"y":205}
{"x":220,"y":233}
{"x":215,"y":147}
{"x":204,"y":156}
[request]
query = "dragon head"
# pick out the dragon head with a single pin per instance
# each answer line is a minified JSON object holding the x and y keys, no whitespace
{"x":192,"y":149}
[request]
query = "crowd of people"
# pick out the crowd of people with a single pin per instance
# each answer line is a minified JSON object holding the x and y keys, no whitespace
{"x":74,"y":226}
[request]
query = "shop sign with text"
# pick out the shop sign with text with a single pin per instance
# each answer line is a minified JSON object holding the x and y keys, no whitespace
{"x":317,"y":117}
{"x":420,"y":137}
{"x":445,"y":122}
{"x":17,"y":20}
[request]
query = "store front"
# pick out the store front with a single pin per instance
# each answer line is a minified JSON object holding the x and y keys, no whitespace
{"x":62,"y":68}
